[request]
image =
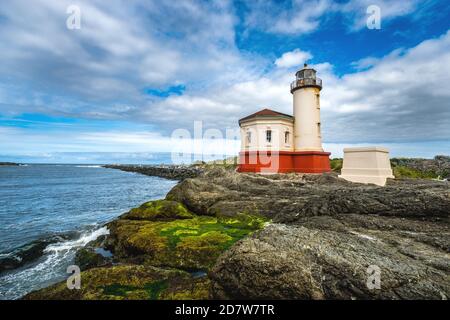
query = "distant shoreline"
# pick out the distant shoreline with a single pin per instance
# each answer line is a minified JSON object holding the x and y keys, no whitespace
{"x":9,"y":164}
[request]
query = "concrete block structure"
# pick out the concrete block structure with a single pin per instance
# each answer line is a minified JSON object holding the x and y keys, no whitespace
{"x":367,"y":165}
{"x":273,"y":142}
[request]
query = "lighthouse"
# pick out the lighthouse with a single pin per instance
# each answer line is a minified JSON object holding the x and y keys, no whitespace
{"x":274,"y":142}
{"x":306,"y":95}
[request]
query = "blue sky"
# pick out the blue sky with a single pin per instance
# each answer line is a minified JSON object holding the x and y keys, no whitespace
{"x":136,"y":73}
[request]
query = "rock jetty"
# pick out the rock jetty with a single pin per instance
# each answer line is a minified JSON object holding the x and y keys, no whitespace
{"x":173,"y":172}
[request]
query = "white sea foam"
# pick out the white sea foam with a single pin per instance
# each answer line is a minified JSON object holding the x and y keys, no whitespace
{"x":78,"y":243}
{"x":52,"y":266}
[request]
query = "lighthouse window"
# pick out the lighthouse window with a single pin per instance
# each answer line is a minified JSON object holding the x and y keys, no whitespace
{"x":286,"y":137}
{"x":269,"y":135}
{"x":249,"y":137}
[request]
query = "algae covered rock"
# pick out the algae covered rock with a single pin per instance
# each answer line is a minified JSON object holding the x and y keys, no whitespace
{"x":159,"y":210}
{"x":87,"y":258}
{"x":192,"y":244}
{"x":129,"y":282}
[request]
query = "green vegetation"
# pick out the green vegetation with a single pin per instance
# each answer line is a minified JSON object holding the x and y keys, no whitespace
{"x":336,"y":164}
{"x":405,"y":172}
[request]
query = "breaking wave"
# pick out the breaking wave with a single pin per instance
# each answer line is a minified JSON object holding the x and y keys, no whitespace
{"x":47,"y":269}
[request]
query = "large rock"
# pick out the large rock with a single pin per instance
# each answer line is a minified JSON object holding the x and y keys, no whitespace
{"x":328,"y":258}
{"x":286,"y":198}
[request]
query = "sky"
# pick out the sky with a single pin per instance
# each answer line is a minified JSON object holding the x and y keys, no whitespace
{"x":138,"y":77}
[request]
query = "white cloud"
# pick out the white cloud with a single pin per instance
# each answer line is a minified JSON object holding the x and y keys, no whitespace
{"x":294,"y":17}
{"x":298,"y":17}
{"x":293,"y":58}
{"x":120,"y":50}
{"x":303,"y":17}
{"x":402,"y":97}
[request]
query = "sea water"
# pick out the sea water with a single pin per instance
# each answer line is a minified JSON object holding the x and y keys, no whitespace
{"x":68,"y":204}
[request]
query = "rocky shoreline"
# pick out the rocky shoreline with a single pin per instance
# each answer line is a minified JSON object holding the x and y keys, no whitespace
{"x":224,"y":235}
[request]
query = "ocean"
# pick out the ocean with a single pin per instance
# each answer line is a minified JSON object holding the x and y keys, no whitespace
{"x":59,"y":209}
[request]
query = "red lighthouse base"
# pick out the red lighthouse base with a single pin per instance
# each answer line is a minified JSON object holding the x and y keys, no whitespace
{"x":284,"y":161}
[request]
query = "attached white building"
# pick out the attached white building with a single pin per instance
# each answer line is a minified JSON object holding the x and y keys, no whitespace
{"x":267,"y":130}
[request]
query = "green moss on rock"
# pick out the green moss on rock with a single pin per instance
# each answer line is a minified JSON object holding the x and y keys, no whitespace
{"x":159,"y":210}
{"x":197,"y":290}
{"x":191,"y":244}
{"x":150,"y":291}
{"x":128,"y":282}
{"x":87,"y":258}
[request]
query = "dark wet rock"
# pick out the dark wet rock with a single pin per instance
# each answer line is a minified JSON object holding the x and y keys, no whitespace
{"x":328,"y":257}
{"x":27,"y":253}
{"x":94,"y":254}
{"x":174,"y":172}
{"x":88,"y":257}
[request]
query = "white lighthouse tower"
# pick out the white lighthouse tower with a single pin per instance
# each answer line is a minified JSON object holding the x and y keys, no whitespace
{"x":306,"y":91}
